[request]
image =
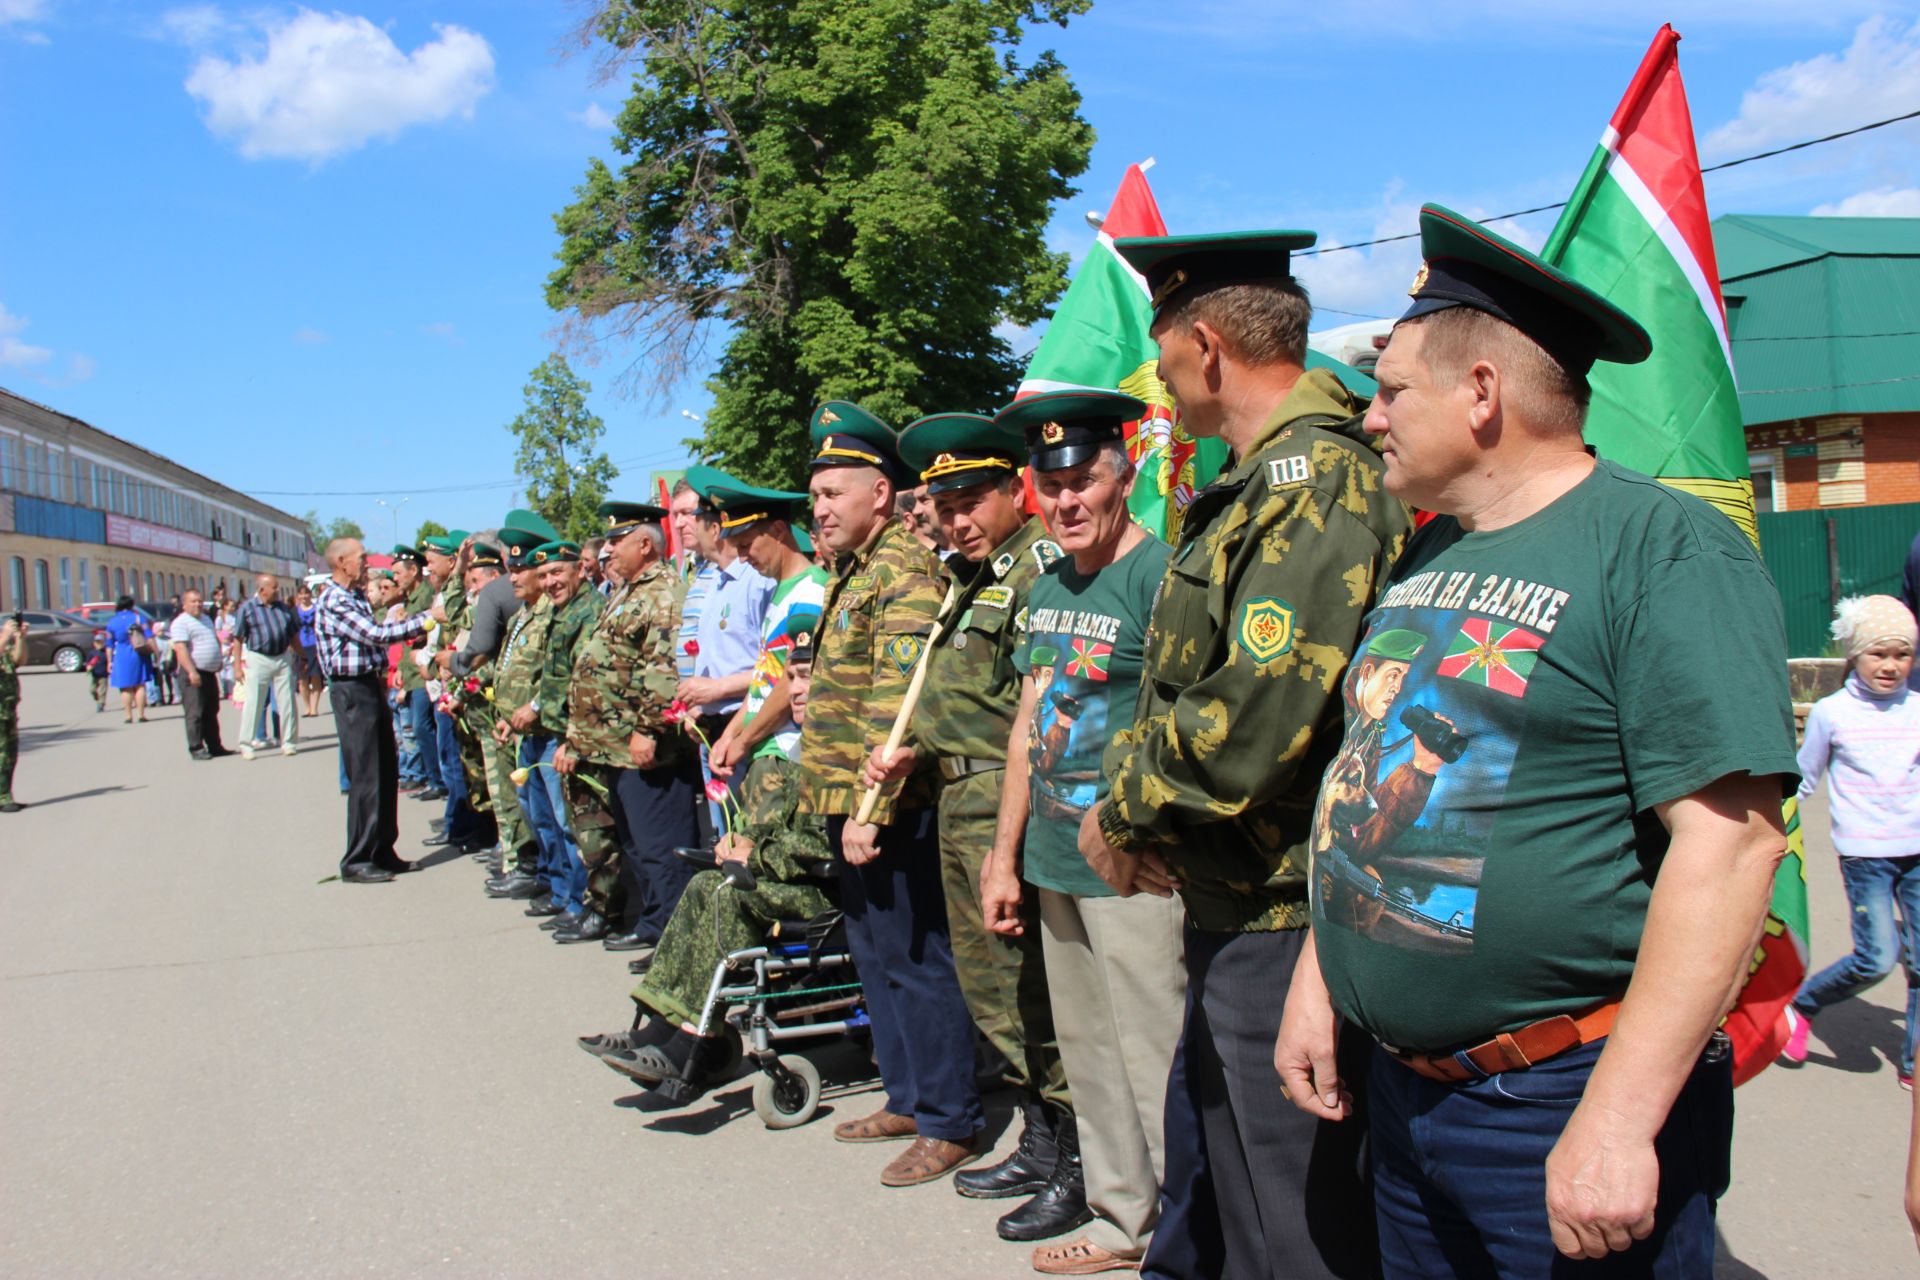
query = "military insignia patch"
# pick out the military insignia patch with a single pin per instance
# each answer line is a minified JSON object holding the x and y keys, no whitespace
{"x":1052,"y":433}
{"x":828,"y":417}
{"x":905,"y":651}
{"x":1045,"y":553}
{"x":993,"y":598}
{"x":1020,"y":621}
{"x":860,"y":582}
{"x":1002,"y":563}
{"x":1284,"y":473}
{"x":1419,"y":282}
{"x":1266,"y":628}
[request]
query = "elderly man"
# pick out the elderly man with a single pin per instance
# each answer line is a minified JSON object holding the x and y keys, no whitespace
{"x":1543,"y":949}
{"x":1276,"y":564}
{"x":264,"y":636}
{"x":970,"y":467}
{"x":196,"y":651}
{"x":572,"y":609}
{"x":879,"y":611}
{"x":353,"y":654}
{"x":416,"y":706}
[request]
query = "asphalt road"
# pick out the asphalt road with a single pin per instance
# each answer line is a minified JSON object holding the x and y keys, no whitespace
{"x":216,"y":1066}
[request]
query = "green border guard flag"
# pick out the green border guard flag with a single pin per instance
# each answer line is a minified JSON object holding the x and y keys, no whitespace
{"x":1636,"y":232}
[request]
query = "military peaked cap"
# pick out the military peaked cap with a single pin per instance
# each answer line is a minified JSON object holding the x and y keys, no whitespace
{"x":739,"y":505}
{"x":624,"y":517}
{"x":1065,"y":428}
{"x":530,"y":522}
{"x":485,"y":556}
{"x":957,"y":450}
{"x":407,"y":555}
{"x":1175,"y":263}
{"x":845,"y":435}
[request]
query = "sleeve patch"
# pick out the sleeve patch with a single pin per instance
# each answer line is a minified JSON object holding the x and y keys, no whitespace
{"x":1266,"y":628}
{"x":1285,"y":473}
{"x":905,"y":651}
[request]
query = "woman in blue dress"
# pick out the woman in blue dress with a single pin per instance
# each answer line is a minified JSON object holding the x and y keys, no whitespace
{"x":130,"y":660}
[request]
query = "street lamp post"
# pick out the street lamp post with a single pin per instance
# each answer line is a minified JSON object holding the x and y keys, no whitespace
{"x":395,"y":508}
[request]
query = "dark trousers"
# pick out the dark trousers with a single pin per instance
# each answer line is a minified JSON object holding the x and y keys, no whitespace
{"x":365,"y":728}
{"x":1186,"y":1243}
{"x":202,"y":706}
{"x":453,"y":776}
{"x":653,"y":814}
{"x":1462,"y":1171}
{"x":1294,"y":1192}
{"x":896,"y":911}
{"x":426,"y":735}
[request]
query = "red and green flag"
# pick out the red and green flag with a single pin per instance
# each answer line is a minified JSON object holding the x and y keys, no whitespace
{"x":1636,"y":231}
{"x":1501,"y":658}
{"x":1090,"y":659}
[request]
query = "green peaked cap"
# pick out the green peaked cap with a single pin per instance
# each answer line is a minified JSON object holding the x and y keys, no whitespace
{"x":1469,"y":266}
{"x":409,"y":554}
{"x":624,"y":517}
{"x":558,"y":552}
{"x":740,"y":505}
{"x":485,"y":556}
{"x":1173,"y":263}
{"x":1065,"y":428}
{"x":799,"y":632}
{"x":1399,"y":645}
{"x":956,"y":450}
{"x":845,"y":435}
{"x":803,"y":540}
{"x":531,"y":522}
{"x":446,"y":544}
{"x":517,"y":544}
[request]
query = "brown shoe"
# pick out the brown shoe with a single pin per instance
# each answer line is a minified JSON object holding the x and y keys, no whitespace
{"x":881,"y":1126}
{"x":1080,"y":1257}
{"x":928,"y":1159}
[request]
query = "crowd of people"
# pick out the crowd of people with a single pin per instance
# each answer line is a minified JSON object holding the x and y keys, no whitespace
{"x":1338,"y":897}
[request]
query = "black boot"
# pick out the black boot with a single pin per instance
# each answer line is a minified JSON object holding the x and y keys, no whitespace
{"x":1025,"y":1171}
{"x":1062,"y":1203}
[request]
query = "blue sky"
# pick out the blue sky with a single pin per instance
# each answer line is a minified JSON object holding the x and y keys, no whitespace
{"x":302,"y":250}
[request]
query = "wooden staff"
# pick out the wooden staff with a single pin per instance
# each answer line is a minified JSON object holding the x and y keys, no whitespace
{"x":912,"y":700}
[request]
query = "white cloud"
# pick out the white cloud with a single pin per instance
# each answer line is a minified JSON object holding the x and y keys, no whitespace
{"x":197,"y":25}
{"x":444,"y":330}
{"x":594,"y":117}
{"x":12,"y":11}
{"x":324,"y":84}
{"x":1884,"y":202}
{"x":308,"y":337}
{"x":1875,"y":77}
{"x":35,"y":361}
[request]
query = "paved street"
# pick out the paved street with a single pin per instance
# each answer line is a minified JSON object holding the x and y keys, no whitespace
{"x":216,"y":1066}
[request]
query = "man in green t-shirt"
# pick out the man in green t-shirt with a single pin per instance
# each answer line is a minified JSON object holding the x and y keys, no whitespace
{"x":1116,"y":969}
{"x":1543,"y":857}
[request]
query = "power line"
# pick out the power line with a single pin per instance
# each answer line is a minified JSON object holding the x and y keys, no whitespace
{"x":1561,"y":204}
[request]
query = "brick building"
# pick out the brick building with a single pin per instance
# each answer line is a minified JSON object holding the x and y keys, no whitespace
{"x":1824,"y":315}
{"x":87,"y":516}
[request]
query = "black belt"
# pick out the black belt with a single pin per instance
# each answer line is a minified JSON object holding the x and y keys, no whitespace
{"x":954,"y":768}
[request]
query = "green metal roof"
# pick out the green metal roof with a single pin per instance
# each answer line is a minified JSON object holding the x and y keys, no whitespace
{"x":1824,"y":314}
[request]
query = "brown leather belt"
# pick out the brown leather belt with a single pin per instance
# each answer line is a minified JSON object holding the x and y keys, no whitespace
{"x":954,"y":768}
{"x":1513,"y":1050}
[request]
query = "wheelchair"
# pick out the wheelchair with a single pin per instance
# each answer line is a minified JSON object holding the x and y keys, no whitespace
{"x":798,"y":985}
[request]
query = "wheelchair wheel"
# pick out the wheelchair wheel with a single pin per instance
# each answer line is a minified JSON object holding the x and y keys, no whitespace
{"x":790,"y":1100}
{"x":731,"y":1052}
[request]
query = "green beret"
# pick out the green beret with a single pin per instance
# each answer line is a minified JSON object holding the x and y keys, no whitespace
{"x":1173,"y":263}
{"x":1043,"y":655}
{"x":1469,"y":266}
{"x":558,"y":552}
{"x":624,"y":517}
{"x":845,"y":435}
{"x":1395,"y":646}
{"x":404,"y":554}
{"x":958,"y":450}
{"x":739,"y":505}
{"x":1064,"y":428}
{"x":530,"y":522}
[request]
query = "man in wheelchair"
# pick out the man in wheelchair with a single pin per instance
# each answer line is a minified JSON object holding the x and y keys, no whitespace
{"x":790,"y":864}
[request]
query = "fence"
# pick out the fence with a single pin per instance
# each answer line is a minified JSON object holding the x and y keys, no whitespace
{"x":1816,"y":557}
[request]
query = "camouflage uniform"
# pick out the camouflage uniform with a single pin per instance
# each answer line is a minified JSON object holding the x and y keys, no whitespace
{"x":480,"y":711}
{"x":622,"y":683}
{"x":9,"y":724}
{"x":459,"y":611}
{"x":714,"y":919}
{"x":419,"y":600}
{"x":966,"y":712}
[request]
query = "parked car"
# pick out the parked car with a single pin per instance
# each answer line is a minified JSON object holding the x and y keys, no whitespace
{"x":57,"y":638}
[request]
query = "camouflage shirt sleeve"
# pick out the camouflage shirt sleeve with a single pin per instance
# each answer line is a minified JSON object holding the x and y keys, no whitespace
{"x":564,"y":637}
{"x":908,"y":593}
{"x":787,"y":844}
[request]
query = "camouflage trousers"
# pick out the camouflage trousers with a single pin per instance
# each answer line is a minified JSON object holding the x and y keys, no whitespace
{"x":9,"y":750}
{"x":714,"y":918}
{"x":1004,"y":980}
{"x":471,"y":728}
{"x":516,"y":836}
{"x":590,"y":814}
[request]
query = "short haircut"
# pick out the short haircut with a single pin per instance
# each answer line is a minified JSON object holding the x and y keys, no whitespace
{"x":1264,"y":322}
{"x":681,"y":486}
{"x":1119,"y":461}
{"x":656,"y":535}
{"x":1459,"y":337}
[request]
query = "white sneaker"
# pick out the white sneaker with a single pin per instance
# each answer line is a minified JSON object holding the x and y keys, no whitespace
{"x":246,"y":752}
{"x":289,"y":749}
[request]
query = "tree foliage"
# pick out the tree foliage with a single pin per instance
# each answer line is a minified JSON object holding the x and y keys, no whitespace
{"x":856,"y":194}
{"x":566,"y":476}
{"x":429,"y":529}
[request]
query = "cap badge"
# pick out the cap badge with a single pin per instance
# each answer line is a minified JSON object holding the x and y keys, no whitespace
{"x":828,"y":417}
{"x":944,"y":460}
{"x":1419,"y":282}
{"x":1052,"y":433}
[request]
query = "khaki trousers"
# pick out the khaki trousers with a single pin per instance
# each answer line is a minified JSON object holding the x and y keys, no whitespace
{"x":1117,"y":973}
{"x":263,"y":671}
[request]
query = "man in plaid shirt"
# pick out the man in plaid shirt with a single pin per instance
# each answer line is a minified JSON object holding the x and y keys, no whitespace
{"x":353,"y":654}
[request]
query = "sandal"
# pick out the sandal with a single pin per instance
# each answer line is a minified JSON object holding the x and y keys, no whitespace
{"x":647,"y":1064}
{"x":1081,"y":1257}
{"x":881,"y":1126}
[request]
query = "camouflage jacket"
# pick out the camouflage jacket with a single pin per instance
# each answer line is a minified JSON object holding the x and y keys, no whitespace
{"x":972,"y":691}
{"x":566,"y":632}
{"x":1278,"y":562}
{"x":520,"y":657}
{"x":623,"y":674}
{"x":419,"y":600}
{"x":9,"y":686}
{"x":879,"y":611}
{"x":787,"y":843}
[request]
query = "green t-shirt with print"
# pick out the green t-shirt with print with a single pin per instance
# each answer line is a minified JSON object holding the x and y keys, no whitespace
{"x":1485,"y":842}
{"x":1084,"y":645}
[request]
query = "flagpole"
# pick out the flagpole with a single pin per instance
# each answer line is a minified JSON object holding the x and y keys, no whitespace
{"x":907,"y":705}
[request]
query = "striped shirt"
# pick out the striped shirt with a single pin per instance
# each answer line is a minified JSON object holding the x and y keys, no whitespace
{"x":351,"y":643}
{"x":266,"y":628}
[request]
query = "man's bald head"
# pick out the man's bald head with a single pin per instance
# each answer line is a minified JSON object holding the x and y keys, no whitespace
{"x":341,"y":547}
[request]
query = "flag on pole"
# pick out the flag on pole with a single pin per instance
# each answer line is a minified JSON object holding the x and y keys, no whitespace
{"x":1636,"y":232}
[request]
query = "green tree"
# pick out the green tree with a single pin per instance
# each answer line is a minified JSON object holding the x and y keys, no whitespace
{"x":316,"y":532}
{"x":322,"y":534}
{"x":566,"y":476}
{"x":429,"y":529}
{"x":855,"y":194}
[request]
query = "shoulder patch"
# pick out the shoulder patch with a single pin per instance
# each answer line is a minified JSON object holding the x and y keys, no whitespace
{"x":1289,"y":471}
{"x":1266,"y":628}
{"x":1045,"y":553}
{"x":859,"y":582}
{"x":905,"y":651}
{"x":1002,"y":564}
{"x":994,"y":597}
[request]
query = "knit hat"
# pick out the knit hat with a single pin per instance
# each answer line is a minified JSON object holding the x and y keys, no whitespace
{"x":1861,"y":622}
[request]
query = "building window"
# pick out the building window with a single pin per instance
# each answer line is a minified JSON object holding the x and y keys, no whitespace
{"x":66,"y":582}
{"x":105,"y":585}
{"x":56,"y":467}
{"x":82,"y":580}
{"x":1769,"y":494}
{"x":7,"y":465}
{"x":119,"y":583}
{"x":43,"y":583}
{"x":17,"y":583}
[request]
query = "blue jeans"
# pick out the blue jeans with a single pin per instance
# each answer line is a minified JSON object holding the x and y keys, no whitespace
{"x":1460,"y":1181}
{"x":403,"y":737}
{"x":1874,"y":885}
{"x":453,"y":776}
{"x":419,"y":709}
{"x":546,"y":810}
